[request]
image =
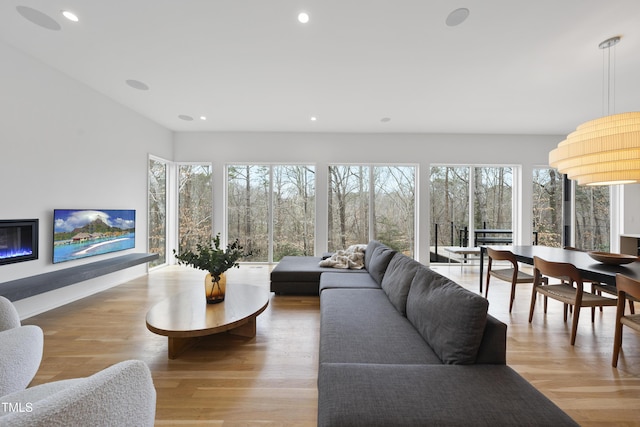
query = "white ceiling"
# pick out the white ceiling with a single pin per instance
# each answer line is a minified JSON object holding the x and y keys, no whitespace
{"x":514,"y":66}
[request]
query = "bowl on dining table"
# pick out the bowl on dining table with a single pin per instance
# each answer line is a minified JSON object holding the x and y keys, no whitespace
{"x":613,"y":259}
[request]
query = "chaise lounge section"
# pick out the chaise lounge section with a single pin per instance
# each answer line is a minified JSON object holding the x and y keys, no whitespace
{"x":300,"y":275}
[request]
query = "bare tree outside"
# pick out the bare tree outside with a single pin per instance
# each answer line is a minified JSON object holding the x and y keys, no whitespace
{"x":395,"y":206}
{"x":547,"y":206}
{"x":248,"y":209}
{"x":293,"y":211}
{"x":195,"y":205}
{"x":157,"y":201}
{"x":493,"y":194}
{"x":449,"y":196}
{"x":348,"y":206}
{"x":356,"y":213}
{"x":592,"y":218}
{"x":271,"y":208}
{"x":280,"y":196}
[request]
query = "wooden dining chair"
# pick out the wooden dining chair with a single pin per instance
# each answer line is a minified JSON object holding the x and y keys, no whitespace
{"x":627,"y":288}
{"x":570,"y":291}
{"x":512,"y":275}
{"x":598,"y":288}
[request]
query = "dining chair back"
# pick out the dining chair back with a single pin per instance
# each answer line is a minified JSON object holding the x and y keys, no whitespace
{"x":570,"y":291}
{"x":512,"y":274}
{"x":627,"y":288}
{"x":598,"y":288}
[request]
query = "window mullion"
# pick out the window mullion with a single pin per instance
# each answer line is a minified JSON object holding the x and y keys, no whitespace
{"x":270,"y":214}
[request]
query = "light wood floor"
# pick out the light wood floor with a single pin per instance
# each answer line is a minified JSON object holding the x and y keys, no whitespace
{"x":271,"y":379}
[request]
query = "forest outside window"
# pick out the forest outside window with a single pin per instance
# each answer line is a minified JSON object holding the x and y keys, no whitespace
{"x":547,"y":206}
{"x":464,"y":198}
{"x":591,"y":220}
{"x":195,"y":205}
{"x":271,"y":210}
{"x":372,"y":202}
{"x":157,"y":213}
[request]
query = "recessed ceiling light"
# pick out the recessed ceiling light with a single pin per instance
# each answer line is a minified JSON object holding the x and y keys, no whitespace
{"x":36,"y":17}
{"x":385,"y":119}
{"x":203,"y":118}
{"x":70,"y":16}
{"x":137,"y":84}
{"x":314,"y":118}
{"x":185,"y":117}
{"x":303,"y":17}
{"x":457,"y":17}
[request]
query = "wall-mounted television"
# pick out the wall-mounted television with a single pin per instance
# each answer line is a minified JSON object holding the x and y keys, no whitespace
{"x":18,"y":240}
{"x":81,"y":233}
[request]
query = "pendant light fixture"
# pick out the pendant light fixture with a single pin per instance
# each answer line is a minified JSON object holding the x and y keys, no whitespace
{"x":604,"y":151}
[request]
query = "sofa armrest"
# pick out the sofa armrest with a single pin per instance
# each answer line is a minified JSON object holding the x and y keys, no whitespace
{"x":493,"y":347}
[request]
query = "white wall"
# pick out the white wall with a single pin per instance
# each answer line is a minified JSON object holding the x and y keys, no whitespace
{"x":63,"y":145}
{"x":631,"y":215}
{"x":325,"y":149}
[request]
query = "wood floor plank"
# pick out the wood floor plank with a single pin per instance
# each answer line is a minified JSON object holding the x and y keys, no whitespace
{"x":271,"y":379}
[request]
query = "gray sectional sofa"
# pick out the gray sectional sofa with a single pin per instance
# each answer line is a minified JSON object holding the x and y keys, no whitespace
{"x":401,"y":345}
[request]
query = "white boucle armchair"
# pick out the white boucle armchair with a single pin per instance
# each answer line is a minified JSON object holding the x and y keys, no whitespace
{"x":20,"y":350}
{"x":120,"y":395}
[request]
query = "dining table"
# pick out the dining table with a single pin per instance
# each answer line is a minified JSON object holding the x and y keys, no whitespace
{"x":589,"y":268}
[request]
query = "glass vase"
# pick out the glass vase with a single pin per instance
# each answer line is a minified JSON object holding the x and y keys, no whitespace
{"x":214,"y":291}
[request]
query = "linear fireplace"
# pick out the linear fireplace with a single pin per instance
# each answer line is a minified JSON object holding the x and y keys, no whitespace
{"x":18,"y":240}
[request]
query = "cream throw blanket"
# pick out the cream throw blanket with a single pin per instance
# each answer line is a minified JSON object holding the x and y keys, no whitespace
{"x":350,"y":258}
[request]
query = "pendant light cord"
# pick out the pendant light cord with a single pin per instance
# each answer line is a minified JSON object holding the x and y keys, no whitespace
{"x":609,"y":76}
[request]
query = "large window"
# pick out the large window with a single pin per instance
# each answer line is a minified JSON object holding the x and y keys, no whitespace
{"x":395,"y":206}
{"x":294,"y":211}
{"x":372,"y":202}
{"x":248,"y":208}
{"x":453,"y":214}
{"x":195,"y":205}
{"x":591,"y":221}
{"x":547,"y":206}
{"x":449,"y":196}
{"x":157,"y":209}
{"x":271,"y":210}
{"x":592,"y":218}
{"x":348,"y":206}
{"x":493,"y":195}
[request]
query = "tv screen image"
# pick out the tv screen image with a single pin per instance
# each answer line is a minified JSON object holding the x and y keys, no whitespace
{"x":81,"y":233}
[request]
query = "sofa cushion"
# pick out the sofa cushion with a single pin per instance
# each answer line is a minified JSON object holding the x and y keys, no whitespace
{"x":397,"y":280}
{"x":361,"y":326}
{"x":430,"y":395}
{"x":379,"y":261}
{"x":368,"y":252}
{"x":339,"y":281}
{"x":450,"y":318}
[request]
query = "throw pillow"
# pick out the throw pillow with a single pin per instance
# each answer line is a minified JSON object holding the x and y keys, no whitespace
{"x":368,"y":252}
{"x":397,"y":280}
{"x":379,"y":261}
{"x":451,"y":319}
